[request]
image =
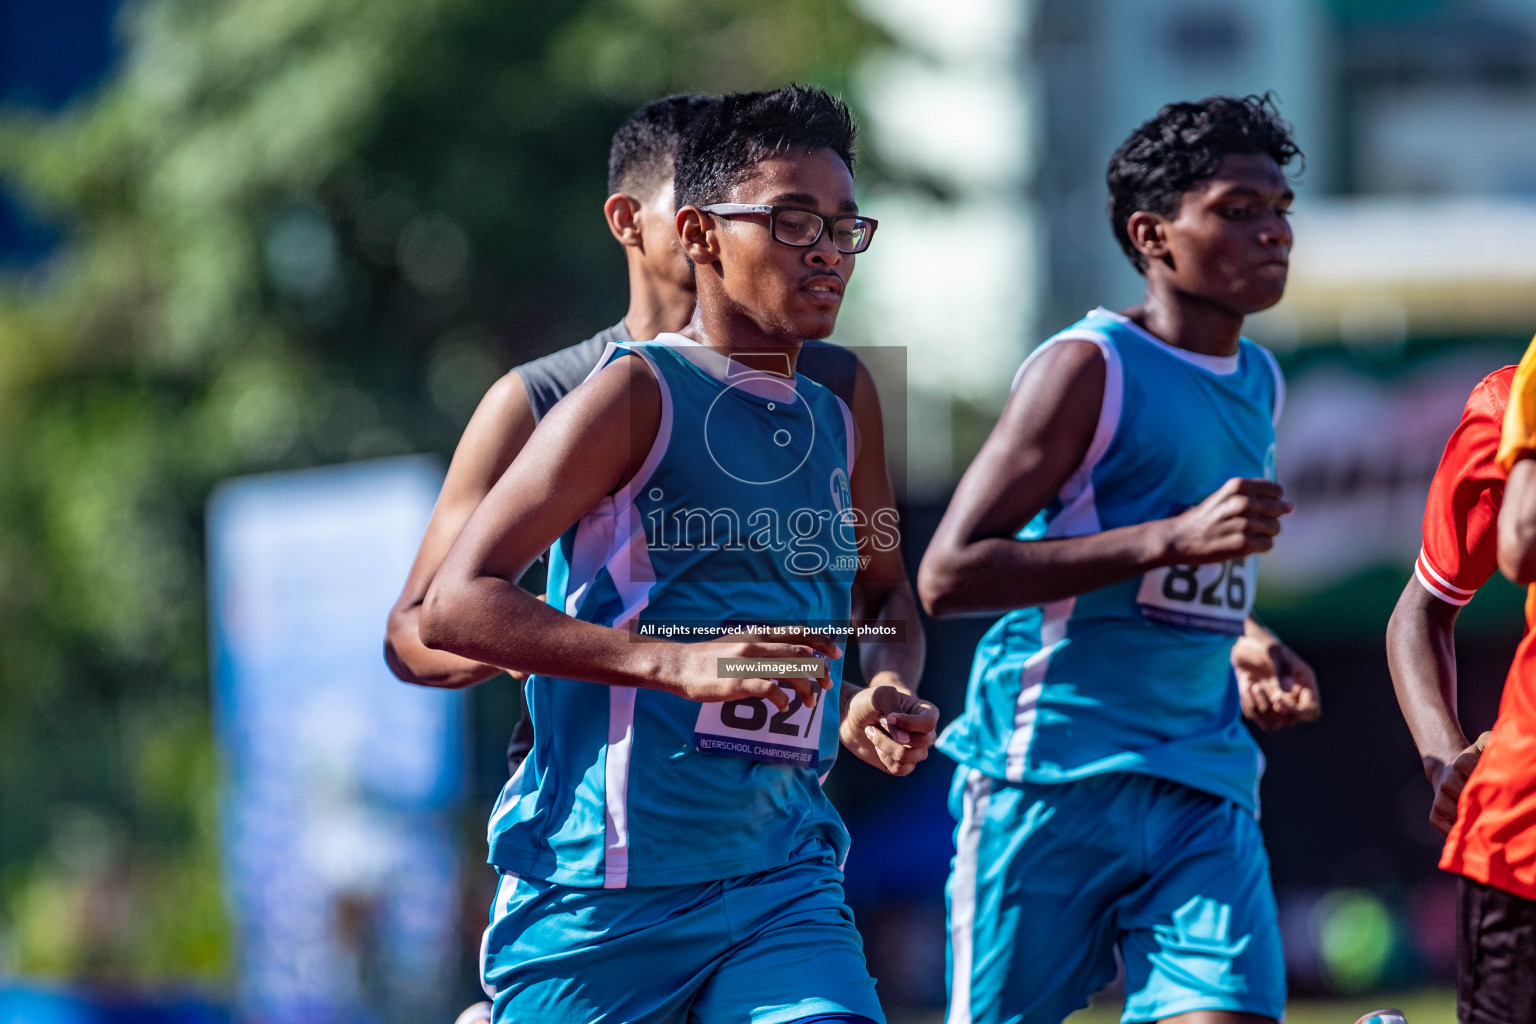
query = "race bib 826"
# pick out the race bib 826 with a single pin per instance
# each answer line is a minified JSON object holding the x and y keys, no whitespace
{"x":1216,"y":598}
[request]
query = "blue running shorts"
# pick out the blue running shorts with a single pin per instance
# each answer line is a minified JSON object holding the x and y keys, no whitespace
{"x":1048,"y":880}
{"x":768,"y":948}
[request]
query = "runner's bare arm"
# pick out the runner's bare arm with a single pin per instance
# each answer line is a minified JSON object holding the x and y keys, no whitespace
{"x":885,"y":722}
{"x":974,"y":564}
{"x":592,"y":442}
{"x":1421,"y":654}
{"x":498,"y":430}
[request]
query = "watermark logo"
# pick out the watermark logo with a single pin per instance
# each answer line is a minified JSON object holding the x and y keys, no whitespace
{"x":792,"y":434}
{"x":798,"y":507}
{"x":808,"y":541}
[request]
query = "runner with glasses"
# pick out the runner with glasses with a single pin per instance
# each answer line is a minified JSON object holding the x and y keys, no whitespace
{"x":791,"y":225}
{"x":640,"y":212}
{"x":667,"y":851}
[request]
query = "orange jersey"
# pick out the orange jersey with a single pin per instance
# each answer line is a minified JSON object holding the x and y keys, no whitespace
{"x":1494,"y":838}
{"x":1460,"y":550}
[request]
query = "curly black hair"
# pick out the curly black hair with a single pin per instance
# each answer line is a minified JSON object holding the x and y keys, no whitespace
{"x":1184,"y":145}
{"x":721,"y":147}
{"x":645,"y":145}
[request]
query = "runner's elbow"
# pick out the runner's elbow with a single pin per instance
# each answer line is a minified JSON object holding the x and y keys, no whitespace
{"x":399,"y":631}
{"x":439,"y":612}
{"x":401,"y":667}
{"x":939,"y":584}
{"x":395,"y":659}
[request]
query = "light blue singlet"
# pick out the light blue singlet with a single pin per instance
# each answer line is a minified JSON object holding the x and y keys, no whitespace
{"x":739,"y":514}
{"x":1135,"y":677}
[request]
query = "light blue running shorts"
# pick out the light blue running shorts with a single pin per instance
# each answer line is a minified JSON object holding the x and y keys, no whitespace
{"x":1048,"y":880}
{"x":767,"y":948}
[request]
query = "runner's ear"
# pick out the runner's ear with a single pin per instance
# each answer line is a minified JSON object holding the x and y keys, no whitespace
{"x":1147,"y":233}
{"x":697,"y":231}
{"x":622,"y":213}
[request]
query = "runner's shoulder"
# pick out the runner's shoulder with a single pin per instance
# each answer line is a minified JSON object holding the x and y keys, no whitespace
{"x":627,"y":379}
{"x":550,"y":378}
{"x":1065,"y":359}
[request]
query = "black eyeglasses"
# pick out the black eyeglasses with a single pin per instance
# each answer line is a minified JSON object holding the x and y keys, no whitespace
{"x":802,"y":228}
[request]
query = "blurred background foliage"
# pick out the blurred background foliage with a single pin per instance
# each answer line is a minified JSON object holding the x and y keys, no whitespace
{"x":293,"y":232}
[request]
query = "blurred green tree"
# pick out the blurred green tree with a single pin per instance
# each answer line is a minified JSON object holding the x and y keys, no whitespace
{"x":296,"y":232}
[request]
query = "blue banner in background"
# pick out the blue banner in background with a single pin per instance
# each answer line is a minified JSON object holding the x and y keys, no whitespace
{"x":340,"y":781}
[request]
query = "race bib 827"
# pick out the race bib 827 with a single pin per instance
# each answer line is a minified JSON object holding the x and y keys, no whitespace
{"x":754,"y":729}
{"x":1216,"y":598}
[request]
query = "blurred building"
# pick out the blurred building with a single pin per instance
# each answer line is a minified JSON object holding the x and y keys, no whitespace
{"x":952,"y":276}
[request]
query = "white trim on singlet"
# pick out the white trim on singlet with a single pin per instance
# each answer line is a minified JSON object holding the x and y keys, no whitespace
{"x":725,"y":369}
{"x":1223,"y":366}
{"x":1079,"y":516}
{"x":1274,"y":368}
{"x":610,"y":527}
{"x":611,"y":537}
{"x":485,"y":951}
{"x":1053,"y":630}
{"x":629,"y":567}
{"x":510,"y":795}
{"x":621,"y":734}
{"x":633,"y":576}
{"x":962,"y":903}
{"x":626,"y":495}
{"x":590,"y":548}
{"x":506,"y":885}
{"x":604,"y":359}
